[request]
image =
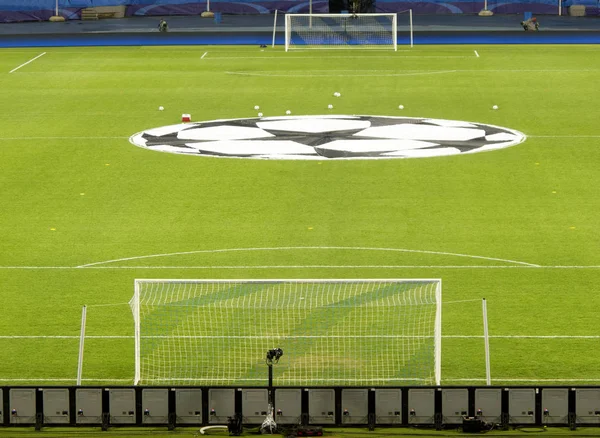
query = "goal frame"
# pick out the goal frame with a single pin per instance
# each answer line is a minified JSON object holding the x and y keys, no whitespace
{"x":393,"y":15}
{"x":437,"y":322}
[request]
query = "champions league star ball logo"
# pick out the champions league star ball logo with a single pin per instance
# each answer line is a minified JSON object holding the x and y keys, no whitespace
{"x":327,"y":137}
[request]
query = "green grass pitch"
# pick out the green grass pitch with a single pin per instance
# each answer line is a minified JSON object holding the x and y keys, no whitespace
{"x":79,"y":203}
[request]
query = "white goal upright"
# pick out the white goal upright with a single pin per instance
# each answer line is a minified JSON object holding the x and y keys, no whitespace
{"x":332,"y":332}
{"x":334,"y":31}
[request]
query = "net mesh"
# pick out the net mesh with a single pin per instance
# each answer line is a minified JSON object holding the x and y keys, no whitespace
{"x":340,"y":30}
{"x":332,"y":333}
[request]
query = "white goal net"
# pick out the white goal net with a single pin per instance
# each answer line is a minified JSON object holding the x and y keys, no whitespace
{"x":332,"y":332}
{"x":330,"y":31}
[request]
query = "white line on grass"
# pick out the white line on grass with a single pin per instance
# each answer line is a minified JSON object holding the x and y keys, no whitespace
{"x":291,"y":57}
{"x":563,"y":136}
{"x":356,"y":73}
{"x":59,"y":138}
{"x":50,"y":379}
{"x":294,"y":248}
{"x":525,"y":336}
{"x":444,"y":380}
{"x":62,"y":337}
{"x":202,"y":57}
{"x":476,"y":54}
{"x":126,"y":137}
{"x":381,"y":73}
{"x":279,"y":379}
{"x":75,"y":337}
{"x":25,"y":63}
{"x":511,"y":379}
{"x":308,"y":267}
{"x":38,"y":267}
{"x":461,"y":301}
{"x":334,"y":267}
{"x":107,"y":305}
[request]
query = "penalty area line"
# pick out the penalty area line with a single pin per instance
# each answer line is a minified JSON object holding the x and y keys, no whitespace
{"x":563,"y":136}
{"x":61,"y":138}
{"x":61,"y":379}
{"x":205,"y":53}
{"x":511,"y":379}
{"x":310,"y":267}
{"x":25,"y":63}
{"x":76,"y":337}
{"x":476,"y":54}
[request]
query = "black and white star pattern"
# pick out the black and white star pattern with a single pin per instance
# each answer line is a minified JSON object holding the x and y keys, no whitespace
{"x":328,"y":137}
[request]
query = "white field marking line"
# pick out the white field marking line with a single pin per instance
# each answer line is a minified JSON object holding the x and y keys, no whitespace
{"x":50,"y":379}
{"x":294,"y":248}
{"x":107,"y":305}
{"x":343,"y":71}
{"x":126,"y":137}
{"x":265,"y":73}
{"x":525,"y":336}
{"x":205,"y":53}
{"x":65,"y":337}
{"x":310,"y":267}
{"x":445,"y":379}
{"x":59,"y":138}
{"x":286,"y":58}
{"x":25,"y":63}
{"x":476,"y":54}
{"x":526,"y":70}
{"x":511,"y":379}
{"x":312,"y":75}
{"x":285,"y":379}
{"x":323,"y":267}
{"x":75,"y":337}
{"x":563,"y":136}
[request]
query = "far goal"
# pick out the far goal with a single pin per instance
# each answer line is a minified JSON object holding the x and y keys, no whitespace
{"x":331,"y":332}
{"x":338,"y":31}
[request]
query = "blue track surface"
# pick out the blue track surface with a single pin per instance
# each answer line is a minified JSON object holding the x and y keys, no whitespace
{"x":258,"y":29}
{"x":258,"y":38}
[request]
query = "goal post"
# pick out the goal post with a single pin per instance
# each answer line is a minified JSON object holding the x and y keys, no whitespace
{"x":338,"y":31}
{"x":375,"y":332}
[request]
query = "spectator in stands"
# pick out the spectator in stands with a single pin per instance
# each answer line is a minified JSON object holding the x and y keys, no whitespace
{"x":163,"y":26}
{"x":530,"y":24}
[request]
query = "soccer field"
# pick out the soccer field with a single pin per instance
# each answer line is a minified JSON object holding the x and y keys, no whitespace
{"x":84,"y":212}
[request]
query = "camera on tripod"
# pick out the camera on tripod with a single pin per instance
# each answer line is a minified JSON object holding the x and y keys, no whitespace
{"x":274,"y":355}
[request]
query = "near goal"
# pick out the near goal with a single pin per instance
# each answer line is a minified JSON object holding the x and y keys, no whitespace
{"x":332,"y":332}
{"x":331,"y":31}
